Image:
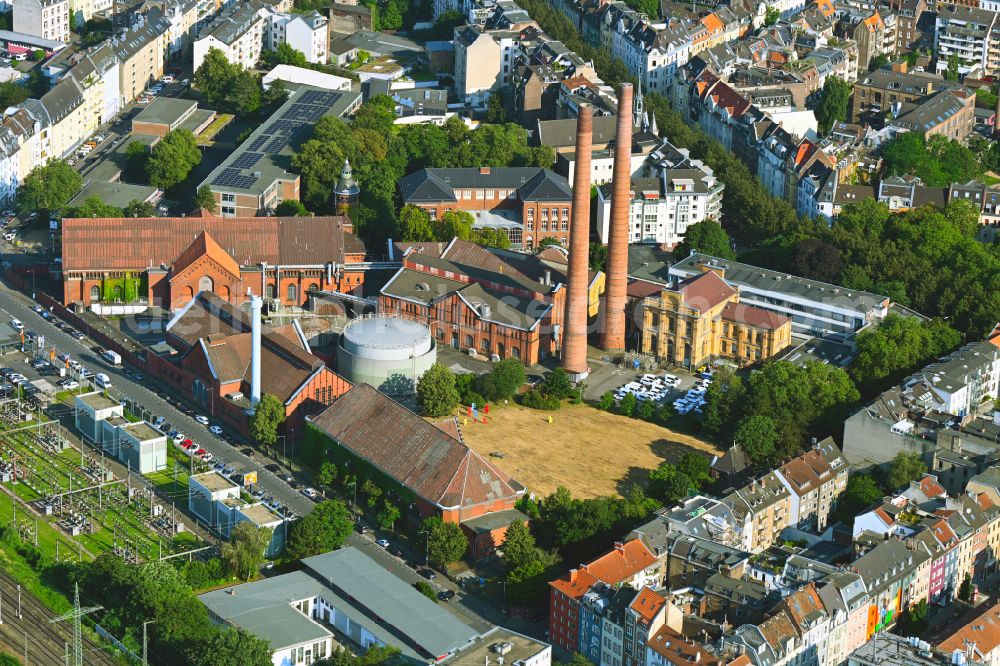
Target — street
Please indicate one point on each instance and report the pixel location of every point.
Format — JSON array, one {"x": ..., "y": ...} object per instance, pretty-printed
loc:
[{"x": 13, "y": 304}]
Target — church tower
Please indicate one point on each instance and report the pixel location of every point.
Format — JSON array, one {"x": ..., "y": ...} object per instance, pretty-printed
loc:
[{"x": 346, "y": 192}]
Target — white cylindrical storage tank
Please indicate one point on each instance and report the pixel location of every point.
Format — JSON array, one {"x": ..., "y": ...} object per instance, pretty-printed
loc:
[{"x": 387, "y": 352}]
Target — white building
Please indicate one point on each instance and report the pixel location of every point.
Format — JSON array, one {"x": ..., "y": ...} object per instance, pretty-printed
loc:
[
  {"x": 651, "y": 55},
  {"x": 670, "y": 193},
  {"x": 970, "y": 33},
  {"x": 306, "y": 33},
  {"x": 308, "y": 77},
  {"x": 48, "y": 19},
  {"x": 478, "y": 58},
  {"x": 239, "y": 32}
]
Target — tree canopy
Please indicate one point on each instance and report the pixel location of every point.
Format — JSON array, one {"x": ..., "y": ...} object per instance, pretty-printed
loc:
[
  {"x": 900, "y": 344},
  {"x": 833, "y": 104},
  {"x": 243, "y": 553},
  {"x": 268, "y": 415},
  {"x": 707, "y": 237},
  {"x": 173, "y": 158},
  {"x": 446, "y": 542},
  {"x": 321, "y": 530},
  {"x": 436, "y": 391},
  {"x": 905, "y": 467},
  {"x": 49, "y": 187},
  {"x": 938, "y": 161}
]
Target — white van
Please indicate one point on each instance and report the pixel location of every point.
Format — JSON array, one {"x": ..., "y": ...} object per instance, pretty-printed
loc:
[
  {"x": 16, "y": 324},
  {"x": 112, "y": 357},
  {"x": 102, "y": 380}
]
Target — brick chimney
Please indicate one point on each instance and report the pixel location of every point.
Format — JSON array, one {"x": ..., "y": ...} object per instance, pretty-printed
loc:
[
  {"x": 613, "y": 335},
  {"x": 578, "y": 277}
]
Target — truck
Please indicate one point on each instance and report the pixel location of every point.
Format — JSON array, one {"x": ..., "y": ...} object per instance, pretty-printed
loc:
[{"x": 112, "y": 357}]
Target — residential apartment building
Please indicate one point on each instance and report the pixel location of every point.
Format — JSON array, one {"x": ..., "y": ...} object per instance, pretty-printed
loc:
[
  {"x": 815, "y": 480},
  {"x": 528, "y": 203},
  {"x": 141, "y": 52},
  {"x": 873, "y": 38},
  {"x": 948, "y": 113},
  {"x": 48, "y": 19},
  {"x": 627, "y": 564},
  {"x": 764, "y": 508},
  {"x": 979, "y": 638},
  {"x": 973, "y": 35},
  {"x": 880, "y": 91},
  {"x": 702, "y": 319},
  {"x": 479, "y": 63},
  {"x": 306, "y": 33},
  {"x": 652, "y": 55},
  {"x": 814, "y": 307},
  {"x": 238, "y": 31},
  {"x": 670, "y": 193}
]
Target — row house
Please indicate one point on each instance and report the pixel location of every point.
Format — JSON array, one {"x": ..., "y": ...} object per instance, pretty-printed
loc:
[
  {"x": 627, "y": 564},
  {"x": 652, "y": 56},
  {"x": 815, "y": 480},
  {"x": 763, "y": 508},
  {"x": 716, "y": 106}
]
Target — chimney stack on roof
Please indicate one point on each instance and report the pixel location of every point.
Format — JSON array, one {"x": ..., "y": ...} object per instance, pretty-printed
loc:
[
  {"x": 613, "y": 335},
  {"x": 577, "y": 299}
]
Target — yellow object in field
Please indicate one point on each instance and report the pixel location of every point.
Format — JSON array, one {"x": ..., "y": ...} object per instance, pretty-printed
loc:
[
  {"x": 465, "y": 421},
  {"x": 550, "y": 419}
]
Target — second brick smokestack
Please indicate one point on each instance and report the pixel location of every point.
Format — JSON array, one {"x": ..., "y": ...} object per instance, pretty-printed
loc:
[
  {"x": 577, "y": 299},
  {"x": 613, "y": 335}
]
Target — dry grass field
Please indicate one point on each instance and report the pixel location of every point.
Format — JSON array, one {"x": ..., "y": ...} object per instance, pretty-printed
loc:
[{"x": 593, "y": 453}]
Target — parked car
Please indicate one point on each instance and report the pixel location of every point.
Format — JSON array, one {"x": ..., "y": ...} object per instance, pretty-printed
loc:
[
  {"x": 273, "y": 468},
  {"x": 16, "y": 324},
  {"x": 384, "y": 543},
  {"x": 215, "y": 429},
  {"x": 311, "y": 493},
  {"x": 394, "y": 551},
  {"x": 248, "y": 452},
  {"x": 103, "y": 381},
  {"x": 446, "y": 595},
  {"x": 201, "y": 419},
  {"x": 427, "y": 573}
]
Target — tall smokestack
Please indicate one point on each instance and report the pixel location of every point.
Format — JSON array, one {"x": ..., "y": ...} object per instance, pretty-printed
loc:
[
  {"x": 577, "y": 299},
  {"x": 613, "y": 336},
  {"x": 256, "y": 303}
]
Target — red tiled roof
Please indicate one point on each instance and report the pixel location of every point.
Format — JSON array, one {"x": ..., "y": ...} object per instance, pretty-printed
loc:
[
  {"x": 642, "y": 289},
  {"x": 886, "y": 518},
  {"x": 622, "y": 562},
  {"x": 115, "y": 244},
  {"x": 575, "y": 583},
  {"x": 930, "y": 487},
  {"x": 983, "y": 632},
  {"x": 417, "y": 454},
  {"x": 705, "y": 291},
  {"x": 647, "y": 604},
  {"x": 680, "y": 650},
  {"x": 713, "y": 23},
  {"x": 205, "y": 246},
  {"x": 754, "y": 316}
]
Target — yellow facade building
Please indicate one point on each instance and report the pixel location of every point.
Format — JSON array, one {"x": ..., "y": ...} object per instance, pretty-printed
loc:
[{"x": 703, "y": 320}]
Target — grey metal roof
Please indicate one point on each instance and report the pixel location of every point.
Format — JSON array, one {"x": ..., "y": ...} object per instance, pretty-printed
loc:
[
  {"x": 532, "y": 183},
  {"x": 562, "y": 133},
  {"x": 264, "y": 608},
  {"x": 422, "y": 621}
]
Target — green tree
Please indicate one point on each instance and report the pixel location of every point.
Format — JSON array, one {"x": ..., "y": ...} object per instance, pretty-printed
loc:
[
  {"x": 93, "y": 207},
  {"x": 833, "y": 103},
  {"x": 136, "y": 156},
  {"x": 862, "y": 491},
  {"x": 646, "y": 410},
  {"x": 707, "y": 237},
  {"x": 905, "y": 467},
  {"x": 454, "y": 224},
  {"x": 669, "y": 484},
  {"x": 496, "y": 108},
  {"x": 12, "y": 94},
  {"x": 231, "y": 645},
  {"x": 173, "y": 158},
  {"x": 415, "y": 224},
  {"x": 136, "y": 208},
  {"x": 268, "y": 415},
  {"x": 914, "y": 620},
  {"x": 286, "y": 54},
  {"x": 518, "y": 546},
  {"x": 722, "y": 400},
  {"x": 771, "y": 15},
  {"x": 275, "y": 95},
  {"x": 965, "y": 589},
  {"x": 758, "y": 437},
  {"x": 985, "y": 97},
  {"x": 424, "y": 588},
  {"x": 215, "y": 77},
  {"x": 326, "y": 475},
  {"x": 607, "y": 401},
  {"x": 878, "y": 62},
  {"x": 697, "y": 467},
  {"x": 446, "y": 543},
  {"x": 938, "y": 161},
  {"x": 291, "y": 208},
  {"x": 507, "y": 377},
  {"x": 49, "y": 187},
  {"x": 205, "y": 198},
  {"x": 245, "y": 94},
  {"x": 490, "y": 237},
  {"x": 627, "y": 404},
  {"x": 9, "y": 660},
  {"x": 244, "y": 552},
  {"x": 952, "y": 73},
  {"x": 815, "y": 259},
  {"x": 377, "y": 114},
  {"x": 899, "y": 344},
  {"x": 526, "y": 585},
  {"x": 388, "y": 515},
  {"x": 598, "y": 256},
  {"x": 321, "y": 530},
  {"x": 436, "y": 391}
]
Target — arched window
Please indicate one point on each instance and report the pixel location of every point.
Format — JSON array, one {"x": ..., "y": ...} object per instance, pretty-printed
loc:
[
  {"x": 515, "y": 352},
  {"x": 485, "y": 344},
  {"x": 500, "y": 349},
  {"x": 313, "y": 287},
  {"x": 293, "y": 293},
  {"x": 469, "y": 342},
  {"x": 269, "y": 291},
  {"x": 95, "y": 293},
  {"x": 206, "y": 284}
]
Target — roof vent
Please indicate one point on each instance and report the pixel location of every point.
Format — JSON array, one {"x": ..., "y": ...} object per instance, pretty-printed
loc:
[{"x": 422, "y": 286}]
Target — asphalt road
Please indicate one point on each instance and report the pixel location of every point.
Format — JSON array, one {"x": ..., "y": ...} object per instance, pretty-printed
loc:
[{"x": 469, "y": 609}]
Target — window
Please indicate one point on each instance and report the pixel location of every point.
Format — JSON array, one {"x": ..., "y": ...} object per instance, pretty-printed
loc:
[
  {"x": 228, "y": 198},
  {"x": 469, "y": 342},
  {"x": 269, "y": 291},
  {"x": 95, "y": 293},
  {"x": 440, "y": 334},
  {"x": 485, "y": 345},
  {"x": 293, "y": 292}
]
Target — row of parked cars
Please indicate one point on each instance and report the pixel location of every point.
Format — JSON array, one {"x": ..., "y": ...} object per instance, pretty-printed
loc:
[
  {"x": 694, "y": 399},
  {"x": 649, "y": 387}
]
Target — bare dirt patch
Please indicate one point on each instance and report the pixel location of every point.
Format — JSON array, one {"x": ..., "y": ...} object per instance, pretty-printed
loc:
[{"x": 591, "y": 452}]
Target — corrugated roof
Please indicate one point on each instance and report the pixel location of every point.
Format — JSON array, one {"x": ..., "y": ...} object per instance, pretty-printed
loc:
[
  {"x": 416, "y": 453},
  {"x": 114, "y": 244}
]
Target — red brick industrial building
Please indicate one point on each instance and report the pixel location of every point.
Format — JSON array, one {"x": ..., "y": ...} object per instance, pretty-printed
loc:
[
  {"x": 501, "y": 304},
  {"x": 166, "y": 261},
  {"x": 423, "y": 467},
  {"x": 209, "y": 363},
  {"x": 529, "y": 203}
]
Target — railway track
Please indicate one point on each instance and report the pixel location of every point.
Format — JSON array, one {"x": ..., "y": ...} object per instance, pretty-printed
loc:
[{"x": 46, "y": 642}]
